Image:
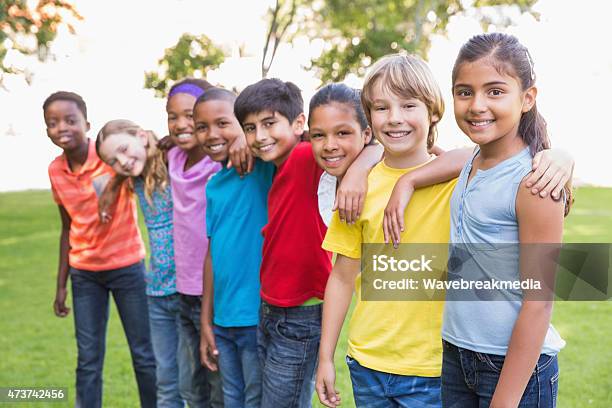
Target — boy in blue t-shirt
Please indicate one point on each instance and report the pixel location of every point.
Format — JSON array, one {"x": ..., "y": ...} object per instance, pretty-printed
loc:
[{"x": 236, "y": 212}]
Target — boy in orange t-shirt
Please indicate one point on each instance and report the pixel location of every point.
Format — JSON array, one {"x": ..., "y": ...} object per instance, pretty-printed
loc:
[{"x": 100, "y": 258}]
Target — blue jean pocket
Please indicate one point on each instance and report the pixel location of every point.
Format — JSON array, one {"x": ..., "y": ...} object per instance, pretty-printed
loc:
[
  {"x": 494, "y": 362},
  {"x": 292, "y": 331}
]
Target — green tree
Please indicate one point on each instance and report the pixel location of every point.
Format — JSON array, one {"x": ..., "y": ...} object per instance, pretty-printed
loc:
[
  {"x": 360, "y": 31},
  {"x": 191, "y": 56},
  {"x": 31, "y": 31},
  {"x": 279, "y": 19}
]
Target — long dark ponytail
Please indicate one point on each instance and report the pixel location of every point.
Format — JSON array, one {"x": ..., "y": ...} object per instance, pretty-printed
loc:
[{"x": 508, "y": 55}]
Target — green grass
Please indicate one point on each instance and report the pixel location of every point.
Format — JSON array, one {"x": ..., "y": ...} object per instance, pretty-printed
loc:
[{"x": 38, "y": 349}]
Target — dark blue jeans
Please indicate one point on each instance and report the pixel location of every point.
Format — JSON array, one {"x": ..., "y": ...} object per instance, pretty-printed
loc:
[
  {"x": 90, "y": 292},
  {"x": 239, "y": 366},
  {"x": 377, "y": 389},
  {"x": 288, "y": 344},
  {"x": 469, "y": 379},
  {"x": 199, "y": 386}
]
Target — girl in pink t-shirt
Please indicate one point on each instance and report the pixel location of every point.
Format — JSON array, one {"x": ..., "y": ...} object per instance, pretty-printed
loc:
[{"x": 189, "y": 168}]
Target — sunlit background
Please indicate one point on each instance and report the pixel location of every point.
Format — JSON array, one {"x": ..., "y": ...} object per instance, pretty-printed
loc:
[{"x": 118, "y": 41}]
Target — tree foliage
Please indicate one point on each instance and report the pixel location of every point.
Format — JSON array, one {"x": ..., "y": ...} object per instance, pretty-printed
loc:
[
  {"x": 360, "y": 31},
  {"x": 30, "y": 31},
  {"x": 279, "y": 19},
  {"x": 192, "y": 56}
]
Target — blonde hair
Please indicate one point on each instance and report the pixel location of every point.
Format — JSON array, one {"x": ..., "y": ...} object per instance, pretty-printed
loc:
[
  {"x": 405, "y": 76},
  {"x": 155, "y": 173}
]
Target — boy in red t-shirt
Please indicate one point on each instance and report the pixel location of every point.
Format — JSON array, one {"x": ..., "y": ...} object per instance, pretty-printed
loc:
[
  {"x": 99, "y": 258},
  {"x": 294, "y": 268}
]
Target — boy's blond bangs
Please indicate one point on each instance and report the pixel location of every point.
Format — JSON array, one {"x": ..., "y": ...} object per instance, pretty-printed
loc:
[{"x": 406, "y": 76}]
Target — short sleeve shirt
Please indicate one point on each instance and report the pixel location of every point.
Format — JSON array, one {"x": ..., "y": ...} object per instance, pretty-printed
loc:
[
  {"x": 189, "y": 217},
  {"x": 236, "y": 211},
  {"x": 95, "y": 246},
  {"x": 294, "y": 267},
  {"x": 398, "y": 337}
]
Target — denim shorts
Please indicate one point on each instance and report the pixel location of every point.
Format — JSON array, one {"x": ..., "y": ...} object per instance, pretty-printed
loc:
[
  {"x": 377, "y": 389},
  {"x": 469, "y": 379}
]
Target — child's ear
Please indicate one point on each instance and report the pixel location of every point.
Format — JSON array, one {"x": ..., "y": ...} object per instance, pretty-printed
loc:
[
  {"x": 143, "y": 136},
  {"x": 529, "y": 99},
  {"x": 435, "y": 118},
  {"x": 298, "y": 124},
  {"x": 367, "y": 134}
]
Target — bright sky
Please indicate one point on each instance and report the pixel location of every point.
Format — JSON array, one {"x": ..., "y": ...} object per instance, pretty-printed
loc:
[{"x": 119, "y": 40}]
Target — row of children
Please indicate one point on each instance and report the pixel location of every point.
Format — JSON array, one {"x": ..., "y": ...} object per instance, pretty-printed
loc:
[{"x": 239, "y": 280}]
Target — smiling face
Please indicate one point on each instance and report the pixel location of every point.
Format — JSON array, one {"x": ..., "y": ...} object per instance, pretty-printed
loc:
[
  {"x": 66, "y": 126},
  {"x": 401, "y": 124},
  {"x": 216, "y": 127},
  {"x": 488, "y": 104},
  {"x": 336, "y": 137},
  {"x": 125, "y": 153},
  {"x": 271, "y": 136},
  {"x": 180, "y": 120}
]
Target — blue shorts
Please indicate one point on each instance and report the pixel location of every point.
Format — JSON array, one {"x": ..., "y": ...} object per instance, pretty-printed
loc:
[{"x": 376, "y": 389}]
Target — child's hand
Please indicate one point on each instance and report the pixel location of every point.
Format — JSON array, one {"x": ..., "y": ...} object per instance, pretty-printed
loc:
[
  {"x": 351, "y": 196},
  {"x": 325, "y": 384},
  {"x": 435, "y": 150},
  {"x": 165, "y": 143},
  {"x": 393, "y": 221},
  {"x": 59, "y": 305},
  {"x": 240, "y": 156},
  {"x": 208, "y": 348},
  {"x": 105, "y": 203},
  {"x": 552, "y": 168}
]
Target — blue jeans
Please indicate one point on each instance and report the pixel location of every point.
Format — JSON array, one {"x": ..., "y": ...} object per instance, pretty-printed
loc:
[
  {"x": 469, "y": 379},
  {"x": 90, "y": 302},
  {"x": 199, "y": 386},
  {"x": 288, "y": 344},
  {"x": 239, "y": 366},
  {"x": 377, "y": 389},
  {"x": 164, "y": 321}
]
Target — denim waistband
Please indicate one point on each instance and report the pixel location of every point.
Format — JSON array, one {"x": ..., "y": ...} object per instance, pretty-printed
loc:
[{"x": 313, "y": 311}]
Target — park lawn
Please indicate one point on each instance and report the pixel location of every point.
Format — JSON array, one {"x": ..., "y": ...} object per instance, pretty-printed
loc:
[{"x": 38, "y": 349}]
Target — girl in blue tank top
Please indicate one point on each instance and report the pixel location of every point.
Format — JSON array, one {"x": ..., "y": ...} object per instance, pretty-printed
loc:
[{"x": 499, "y": 346}]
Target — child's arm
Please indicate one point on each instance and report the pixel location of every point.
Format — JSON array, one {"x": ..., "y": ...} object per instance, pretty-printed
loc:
[
  {"x": 240, "y": 156},
  {"x": 338, "y": 294},
  {"x": 445, "y": 167},
  {"x": 541, "y": 228},
  {"x": 165, "y": 143},
  {"x": 208, "y": 346},
  {"x": 109, "y": 197},
  {"x": 552, "y": 171},
  {"x": 354, "y": 186},
  {"x": 59, "y": 305}
]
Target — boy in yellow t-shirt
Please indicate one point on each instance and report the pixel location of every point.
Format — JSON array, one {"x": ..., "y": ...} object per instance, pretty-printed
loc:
[{"x": 394, "y": 350}]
